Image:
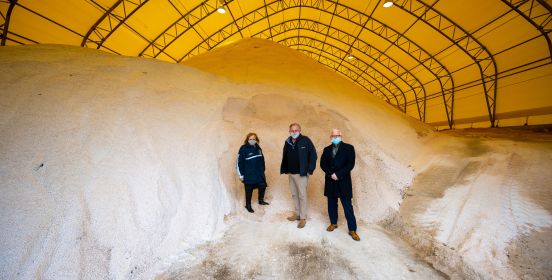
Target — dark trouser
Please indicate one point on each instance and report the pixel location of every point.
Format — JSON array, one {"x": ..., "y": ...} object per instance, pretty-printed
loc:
[
  {"x": 249, "y": 192},
  {"x": 347, "y": 207}
]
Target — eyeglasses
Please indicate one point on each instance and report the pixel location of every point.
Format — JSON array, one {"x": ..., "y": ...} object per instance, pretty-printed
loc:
[
  {"x": 335, "y": 136},
  {"x": 252, "y": 139},
  {"x": 295, "y": 130}
]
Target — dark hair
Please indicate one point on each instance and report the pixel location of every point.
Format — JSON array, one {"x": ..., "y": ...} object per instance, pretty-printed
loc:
[{"x": 249, "y": 135}]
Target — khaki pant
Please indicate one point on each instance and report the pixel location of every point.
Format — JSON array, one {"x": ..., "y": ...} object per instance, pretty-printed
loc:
[{"x": 298, "y": 185}]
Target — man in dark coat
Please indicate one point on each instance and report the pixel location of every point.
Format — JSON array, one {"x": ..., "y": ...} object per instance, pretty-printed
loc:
[
  {"x": 298, "y": 160},
  {"x": 337, "y": 161}
]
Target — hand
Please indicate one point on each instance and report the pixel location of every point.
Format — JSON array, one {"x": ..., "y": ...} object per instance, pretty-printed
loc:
[{"x": 334, "y": 177}]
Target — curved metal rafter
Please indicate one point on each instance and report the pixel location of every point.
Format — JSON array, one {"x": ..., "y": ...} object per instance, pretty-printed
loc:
[
  {"x": 178, "y": 28},
  {"x": 410, "y": 48},
  {"x": 331, "y": 63},
  {"x": 331, "y": 20},
  {"x": 111, "y": 20},
  {"x": 399, "y": 40},
  {"x": 541, "y": 21},
  {"x": 416, "y": 87},
  {"x": 233, "y": 19},
  {"x": 365, "y": 48},
  {"x": 338, "y": 53},
  {"x": 440, "y": 72},
  {"x": 463, "y": 40},
  {"x": 182, "y": 15},
  {"x": 6, "y": 25},
  {"x": 334, "y": 54},
  {"x": 380, "y": 57}
]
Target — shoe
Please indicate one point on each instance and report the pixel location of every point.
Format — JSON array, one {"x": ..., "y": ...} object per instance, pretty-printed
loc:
[
  {"x": 262, "y": 202},
  {"x": 249, "y": 209},
  {"x": 294, "y": 217},
  {"x": 354, "y": 235},
  {"x": 302, "y": 223},
  {"x": 331, "y": 227}
]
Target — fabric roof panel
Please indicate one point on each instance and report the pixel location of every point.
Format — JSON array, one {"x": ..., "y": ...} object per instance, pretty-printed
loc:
[
  {"x": 214, "y": 22},
  {"x": 428, "y": 38},
  {"x": 41, "y": 30},
  {"x": 517, "y": 27},
  {"x": 530, "y": 52},
  {"x": 73, "y": 15},
  {"x": 497, "y": 27},
  {"x": 153, "y": 18},
  {"x": 394, "y": 18},
  {"x": 126, "y": 42},
  {"x": 472, "y": 14},
  {"x": 404, "y": 59},
  {"x": 527, "y": 90},
  {"x": 183, "y": 45}
]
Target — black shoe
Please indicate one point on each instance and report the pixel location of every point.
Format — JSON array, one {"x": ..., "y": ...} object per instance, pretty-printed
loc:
[
  {"x": 249, "y": 209},
  {"x": 262, "y": 202}
]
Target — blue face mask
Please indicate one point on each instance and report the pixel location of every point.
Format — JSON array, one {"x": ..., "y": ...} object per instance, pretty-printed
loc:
[
  {"x": 295, "y": 135},
  {"x": 252, "y": 142},
  {"x": 336, "y": 140}
]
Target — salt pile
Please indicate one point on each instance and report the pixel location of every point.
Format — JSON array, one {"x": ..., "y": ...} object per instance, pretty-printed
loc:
[{"x": 117, "y": 167}]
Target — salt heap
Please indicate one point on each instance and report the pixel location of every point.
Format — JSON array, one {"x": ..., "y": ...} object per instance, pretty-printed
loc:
[{"x": 111, "y": 165}]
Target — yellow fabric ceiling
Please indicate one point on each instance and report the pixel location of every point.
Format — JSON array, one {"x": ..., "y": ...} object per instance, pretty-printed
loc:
[{"x": 449, "y": 63}]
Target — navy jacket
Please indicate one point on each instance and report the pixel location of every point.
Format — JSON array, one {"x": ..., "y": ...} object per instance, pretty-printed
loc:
[
  {"x": 251, "y": 164},
  {"x": 307, "y": 155},
  {"x": 341, "y": 165}
]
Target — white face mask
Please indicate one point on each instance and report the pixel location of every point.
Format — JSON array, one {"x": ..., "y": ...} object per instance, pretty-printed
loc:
[{"x": 252, "y": 142}]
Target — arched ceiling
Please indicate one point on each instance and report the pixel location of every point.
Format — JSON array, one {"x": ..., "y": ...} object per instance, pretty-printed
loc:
[{"x": 445, "y": 62}]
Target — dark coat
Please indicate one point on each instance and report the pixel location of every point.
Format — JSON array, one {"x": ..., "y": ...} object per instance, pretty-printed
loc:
[
  {"x": 341, "y": 165},
  {"x": 251, "y": 164},
  {"x": 307, "y": 155}
]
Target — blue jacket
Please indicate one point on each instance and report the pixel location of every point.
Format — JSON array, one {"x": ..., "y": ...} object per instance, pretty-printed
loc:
[
  {"x": 307, "y": 155},
  {"x": 341, "y": 165},
  {"x": 251, "y": 164}
]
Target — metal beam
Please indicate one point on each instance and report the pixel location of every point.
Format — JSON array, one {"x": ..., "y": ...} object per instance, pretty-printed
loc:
[
  {"x": 350, "y": 74},
  {"x": 465, "y": 41},
  {"x": 443, "y": 76},
  {"x": 111, "y": 20},
  {"x": 179, "y": 27},
  {"x": 366, "y": 49},
  {"x": 540, "y": 19},
  {"x": 6, "y": 24},
  {"x": 335, "y": 54}
]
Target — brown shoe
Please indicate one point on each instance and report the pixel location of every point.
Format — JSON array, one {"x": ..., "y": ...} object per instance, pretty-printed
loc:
[
  {"x": 354, "y": 235},
  {"x": 293, "y": 217},
  {"x": 331, "y": 227},
  {"x": 302, "y": 223}
]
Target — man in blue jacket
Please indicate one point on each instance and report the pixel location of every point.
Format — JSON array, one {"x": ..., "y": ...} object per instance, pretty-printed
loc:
[
  {"x": 337, "y": 161},
  {"x": 298, "y": 161}
]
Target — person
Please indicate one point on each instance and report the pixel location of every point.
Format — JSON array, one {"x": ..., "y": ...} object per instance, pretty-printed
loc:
[
  {"x": 298, "y": 161},
  {"x": 251, "y": 169},
  {"x": 337, "y": 161}
]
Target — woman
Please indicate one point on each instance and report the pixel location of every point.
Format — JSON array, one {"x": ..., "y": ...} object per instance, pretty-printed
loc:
[{"x": 251, "y": 168}]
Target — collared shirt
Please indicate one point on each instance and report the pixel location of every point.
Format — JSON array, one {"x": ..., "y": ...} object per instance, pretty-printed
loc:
[
  {"x": 334, "y": 150},
  {"x": 293, "y": 158}
]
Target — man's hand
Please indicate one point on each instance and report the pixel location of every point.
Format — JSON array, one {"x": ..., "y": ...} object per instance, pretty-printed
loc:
[{"x": 334, "y": 177}]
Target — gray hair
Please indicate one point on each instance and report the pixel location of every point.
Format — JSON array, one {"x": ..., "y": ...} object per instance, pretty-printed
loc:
[{"x": 294, "y": 124}]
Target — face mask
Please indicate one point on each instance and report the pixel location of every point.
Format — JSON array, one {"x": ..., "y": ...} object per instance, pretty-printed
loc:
[
  {"x": 336, "y": 140},
  {"x": 252, "y": 142},
  {"x": 295, "y": 135}
]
